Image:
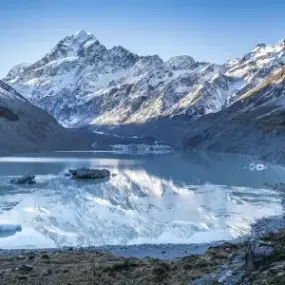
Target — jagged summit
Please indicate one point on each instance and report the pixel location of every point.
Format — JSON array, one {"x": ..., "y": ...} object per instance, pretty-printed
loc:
[
  {"x": 181, "y": 62},
  {"x": 15, "y": 71},
  {"x": 82, "y": 35},
  {"x": 79, "y": 38}
]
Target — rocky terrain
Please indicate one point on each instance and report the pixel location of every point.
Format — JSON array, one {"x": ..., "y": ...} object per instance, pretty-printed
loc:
[
  {"x": 253, "y": 125},
  {"x": 258, "y": 261},
  {"x": 81, "y": 82}
]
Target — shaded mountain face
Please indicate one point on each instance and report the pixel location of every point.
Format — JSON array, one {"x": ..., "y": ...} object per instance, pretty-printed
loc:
[
  {"x": 23, "y": 126},
  {"x": 27, "y": 128},
  {"x": 254, "y": 124}
]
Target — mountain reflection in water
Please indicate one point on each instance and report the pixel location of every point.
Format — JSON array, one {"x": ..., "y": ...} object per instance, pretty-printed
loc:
[{"x": 170, "y": 198}]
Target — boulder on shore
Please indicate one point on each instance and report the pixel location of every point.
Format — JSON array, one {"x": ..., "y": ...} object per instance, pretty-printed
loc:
[
  {"x": 25, "y": 179},
  {"x": 89, "y": 173},
  {"x": 255, "y": 254}
]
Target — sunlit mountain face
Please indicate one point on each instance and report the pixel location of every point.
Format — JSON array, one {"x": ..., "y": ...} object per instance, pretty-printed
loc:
[
  {"x": 149, "y": 199},
  {"x": 81, "y": 82}
]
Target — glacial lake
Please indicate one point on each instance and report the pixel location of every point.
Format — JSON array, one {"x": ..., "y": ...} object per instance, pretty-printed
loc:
[{"x": 153, "y": 199}]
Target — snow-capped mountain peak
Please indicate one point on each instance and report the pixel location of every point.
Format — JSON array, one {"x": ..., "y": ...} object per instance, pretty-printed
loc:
[
  {"x": 82, "y": 82},
  {"x": 78, "y": 38},
  {"x": 82, "y": 35},
  {"x": 72, "y": 44},
  {"x": 259, "y": 47}
]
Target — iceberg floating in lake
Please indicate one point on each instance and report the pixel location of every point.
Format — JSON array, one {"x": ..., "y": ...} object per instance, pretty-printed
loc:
[{"x": 257, "y": 167}]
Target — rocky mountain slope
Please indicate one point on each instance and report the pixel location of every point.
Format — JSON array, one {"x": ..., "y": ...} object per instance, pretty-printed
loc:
[
  {"x": 254, "y": 124},
  {"x": 81, "y": 82},
  {"x": 24, "y": 126},
  {"x": 27, "y": 128}
]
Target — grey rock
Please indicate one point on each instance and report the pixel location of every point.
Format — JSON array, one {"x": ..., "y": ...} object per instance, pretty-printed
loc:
[
  {"x": 21, "y": 257},
  {"x": 256, "y": 254},
  {"x": 32, "y": 255},
  {"x": 25, "y": 179},
  {"x": 26, "y": 267},
  {"x": 88, "y": 173}
]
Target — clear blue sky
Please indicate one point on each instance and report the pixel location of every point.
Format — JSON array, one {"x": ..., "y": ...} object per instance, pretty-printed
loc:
[{"x": 209, "y": 30}]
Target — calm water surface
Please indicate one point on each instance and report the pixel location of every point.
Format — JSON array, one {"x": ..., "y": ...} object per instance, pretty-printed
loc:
[{"x": 170, "y": 198}]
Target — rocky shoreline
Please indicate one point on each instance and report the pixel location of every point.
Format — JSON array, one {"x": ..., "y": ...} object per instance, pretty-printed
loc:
[
  {"x": 256, "y": 259},
  {"x": 80, "y": 266}
]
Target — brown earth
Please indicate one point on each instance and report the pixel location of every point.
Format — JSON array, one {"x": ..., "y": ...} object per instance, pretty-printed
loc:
[
  {"x": 93, "y": 267},
  {"x": 224, "y": 264}
]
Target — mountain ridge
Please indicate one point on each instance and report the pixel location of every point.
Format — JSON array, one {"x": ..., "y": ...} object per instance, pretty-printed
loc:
[
  {"x": 253, "y": 125},
  {"x": 82, "y": 55},
  {"x": 82, "y": 83}
]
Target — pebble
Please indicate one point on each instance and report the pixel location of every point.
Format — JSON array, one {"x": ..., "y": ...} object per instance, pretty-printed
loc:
[
  {"x": 23, "y": 277},
  {"x": 21, "y": 257},
  {"x": 26, "y": 267},
  {"x": 31, "y": 257}
]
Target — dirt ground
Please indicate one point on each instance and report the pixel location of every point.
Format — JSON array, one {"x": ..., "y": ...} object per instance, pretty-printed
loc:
[{"x": 82, "y": 266}]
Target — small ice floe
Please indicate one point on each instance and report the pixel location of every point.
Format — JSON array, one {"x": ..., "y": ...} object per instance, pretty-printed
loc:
[
  {"x": 257, "y": 166},
  {"x": 25, "y": 179},
  {"x": 9, "y": 229}
]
